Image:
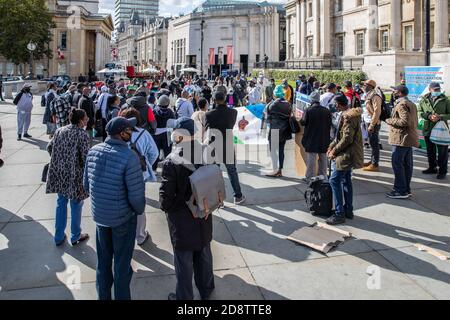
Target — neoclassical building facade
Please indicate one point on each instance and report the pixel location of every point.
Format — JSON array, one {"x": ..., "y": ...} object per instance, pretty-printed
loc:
[
  {"x": 379, "y": 36},
  {"x": 253, "y": 29},
  {"x": 152, "y": 44},
  {"x": 80, "y": 41}
]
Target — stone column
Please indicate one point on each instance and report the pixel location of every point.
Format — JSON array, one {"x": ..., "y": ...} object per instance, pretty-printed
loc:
[
  {"x": 317, "y": 32},
  {"x": 372, "y": 26},
  {"x": 261, "y": 40},
  {"x": 441, "y": 24},
  {"x": 325, "y": 28},
  {"x": 419, "y": 32},
  {"x": 302, "y": 38},
  {"x": 298, "y": 30},
  {"x": 396, "y": 20},
  {"x": 97, "y": 50},
  {"x": 288, "y": 37},
  {"x": 277, "y": 44},
  {"x": 251, "y": 48},
  {"x": 236, "y": 53}
]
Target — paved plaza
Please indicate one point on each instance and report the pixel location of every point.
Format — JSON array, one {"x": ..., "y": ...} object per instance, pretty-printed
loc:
[{"x": 252, "y": 258}]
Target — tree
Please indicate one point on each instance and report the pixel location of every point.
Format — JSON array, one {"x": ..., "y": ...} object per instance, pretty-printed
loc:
[{"x": 21, "y": 22}]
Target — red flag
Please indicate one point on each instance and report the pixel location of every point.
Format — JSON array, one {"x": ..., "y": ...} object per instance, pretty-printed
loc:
[
  {"x": 230, "y": 57},
  {"x": 212, "y": 57},
  {"x": 60, "y": 54}
]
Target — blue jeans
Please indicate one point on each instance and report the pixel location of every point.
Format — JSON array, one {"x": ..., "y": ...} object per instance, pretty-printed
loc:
[
  {"x": 341, "y": 183},
  {"x": 61, "y": 218},
  {"x": 234, "y": 179},
  {"x": 115, "y": 243},
  {"x": 402, "y": 164}
]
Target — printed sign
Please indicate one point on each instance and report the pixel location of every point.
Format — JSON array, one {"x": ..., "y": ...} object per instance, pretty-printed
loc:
[{"x": 418, "y": 79}]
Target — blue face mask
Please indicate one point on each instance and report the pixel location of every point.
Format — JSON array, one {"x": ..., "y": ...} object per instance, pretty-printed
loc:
[{"x": 436, "y": 94}]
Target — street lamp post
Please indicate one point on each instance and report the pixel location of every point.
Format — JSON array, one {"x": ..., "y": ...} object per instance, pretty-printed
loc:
[
  {"x": 201, "y": 46},
  {"x": 31, "y": 47}
]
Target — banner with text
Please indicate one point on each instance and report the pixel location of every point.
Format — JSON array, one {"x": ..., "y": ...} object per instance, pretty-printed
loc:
[{"x": 419, "y": 78}]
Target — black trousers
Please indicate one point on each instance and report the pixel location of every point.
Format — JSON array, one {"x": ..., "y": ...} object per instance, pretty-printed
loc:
[
  {"x": 441, "y": 160},
  {"x": 162, "y": 142},
  {"x": 200, "y": 264}
]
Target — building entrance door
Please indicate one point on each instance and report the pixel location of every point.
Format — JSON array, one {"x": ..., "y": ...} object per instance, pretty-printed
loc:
[{"x": 244, "y": 63}]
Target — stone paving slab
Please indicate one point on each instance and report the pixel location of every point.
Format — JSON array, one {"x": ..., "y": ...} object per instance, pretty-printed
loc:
[
  {"x": 24, "y": 175},
  {"x": 260, "y": 233},
  {"x": 32, "y": 259},
  {"x": 13, "y": 198},
  {"x": 343, "y": 277},
  {"x": 393, "y": 224},
  {"x": 27, "y": 156},
  {"x": 42, "y": 206},
  {"x": 434, "y": 199},
  {"x": 236, "y": 284},
  {"x": 426, "y": 270}
]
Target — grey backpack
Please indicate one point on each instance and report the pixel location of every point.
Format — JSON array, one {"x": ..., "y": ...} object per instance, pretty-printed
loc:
[{"x": 208, "y": 188}]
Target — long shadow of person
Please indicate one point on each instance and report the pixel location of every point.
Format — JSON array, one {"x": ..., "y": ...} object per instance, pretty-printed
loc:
[{"x": 29, "y": 259}]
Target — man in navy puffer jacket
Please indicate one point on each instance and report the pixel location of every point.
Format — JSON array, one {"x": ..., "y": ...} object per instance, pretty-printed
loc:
[{"x": 113, "y": 178}]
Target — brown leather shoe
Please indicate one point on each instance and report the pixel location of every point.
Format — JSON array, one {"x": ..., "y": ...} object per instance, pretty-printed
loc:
[
  {"x": 372, "y": 168},
  {"x": 367, "y": 164}
]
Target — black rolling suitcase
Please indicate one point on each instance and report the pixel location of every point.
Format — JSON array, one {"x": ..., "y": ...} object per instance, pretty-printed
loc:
[{"x": 319, "y": 197}]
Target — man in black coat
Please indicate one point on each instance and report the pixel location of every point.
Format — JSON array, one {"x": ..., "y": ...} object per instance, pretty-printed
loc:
[
  {"x": 220, "y": 123},
  {"x": 191, "y": 237},
  {"x": 316, "y": 139},
  {"x": 87, "y": 105}
]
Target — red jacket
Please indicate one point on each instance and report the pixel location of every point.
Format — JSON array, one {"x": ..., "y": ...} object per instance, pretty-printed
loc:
[{"x": 350, "y": 94}]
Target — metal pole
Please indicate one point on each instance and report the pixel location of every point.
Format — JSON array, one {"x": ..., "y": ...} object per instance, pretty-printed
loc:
[
  {"x": 427, "y": 32},
  {"x": 31, "y": 65},
  {"x": 201, "y": 48}
]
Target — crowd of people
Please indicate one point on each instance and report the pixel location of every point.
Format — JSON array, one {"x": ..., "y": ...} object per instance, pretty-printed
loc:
[{"x": 107, "y": 143}]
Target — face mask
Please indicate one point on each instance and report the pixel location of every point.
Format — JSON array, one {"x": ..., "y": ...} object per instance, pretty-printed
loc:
[{"x": 436, "y": 94}]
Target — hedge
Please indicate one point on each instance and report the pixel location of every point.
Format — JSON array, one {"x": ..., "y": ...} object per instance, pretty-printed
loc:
[{"x": 324, "y": 76}]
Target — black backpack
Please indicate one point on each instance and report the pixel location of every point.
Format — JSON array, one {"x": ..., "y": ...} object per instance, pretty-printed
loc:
[
  {"x": 43, "y": 101},
  {"x": 319, "y": 197},
  {"x": 386, "y": 108}
]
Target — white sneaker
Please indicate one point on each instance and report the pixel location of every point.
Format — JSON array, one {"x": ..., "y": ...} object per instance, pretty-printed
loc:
[{"x": 239, "y": 201}]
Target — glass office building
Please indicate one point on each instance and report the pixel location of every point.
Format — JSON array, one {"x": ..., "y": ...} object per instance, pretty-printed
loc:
[{"x": 145, "y": 8}]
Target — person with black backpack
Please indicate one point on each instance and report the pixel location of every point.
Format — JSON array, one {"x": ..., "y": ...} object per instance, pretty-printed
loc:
[
  {"x": 374, "y": 108},
  {"x": 347, "y": 154},
  {"x": 144, "y": 146}
]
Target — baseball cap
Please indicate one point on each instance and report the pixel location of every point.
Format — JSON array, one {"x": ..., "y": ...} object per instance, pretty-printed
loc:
[
  {"x": 435, "y": 85},
  {"x": 119, "y": 124},
  {"x": 402, "y": 89},
  {"x": 26, "y": 85},
  {"x": 183, "y": 123},
  {"x": 72, "y": 88}
]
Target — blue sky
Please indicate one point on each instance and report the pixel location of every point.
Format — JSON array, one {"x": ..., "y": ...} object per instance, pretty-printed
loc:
[{"x": 166, "y": 7}]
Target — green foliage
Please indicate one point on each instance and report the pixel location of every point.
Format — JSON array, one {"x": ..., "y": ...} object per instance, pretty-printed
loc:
[
  {"x": 325, "y": 76},
  {"x": 21, "y": 22}
]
